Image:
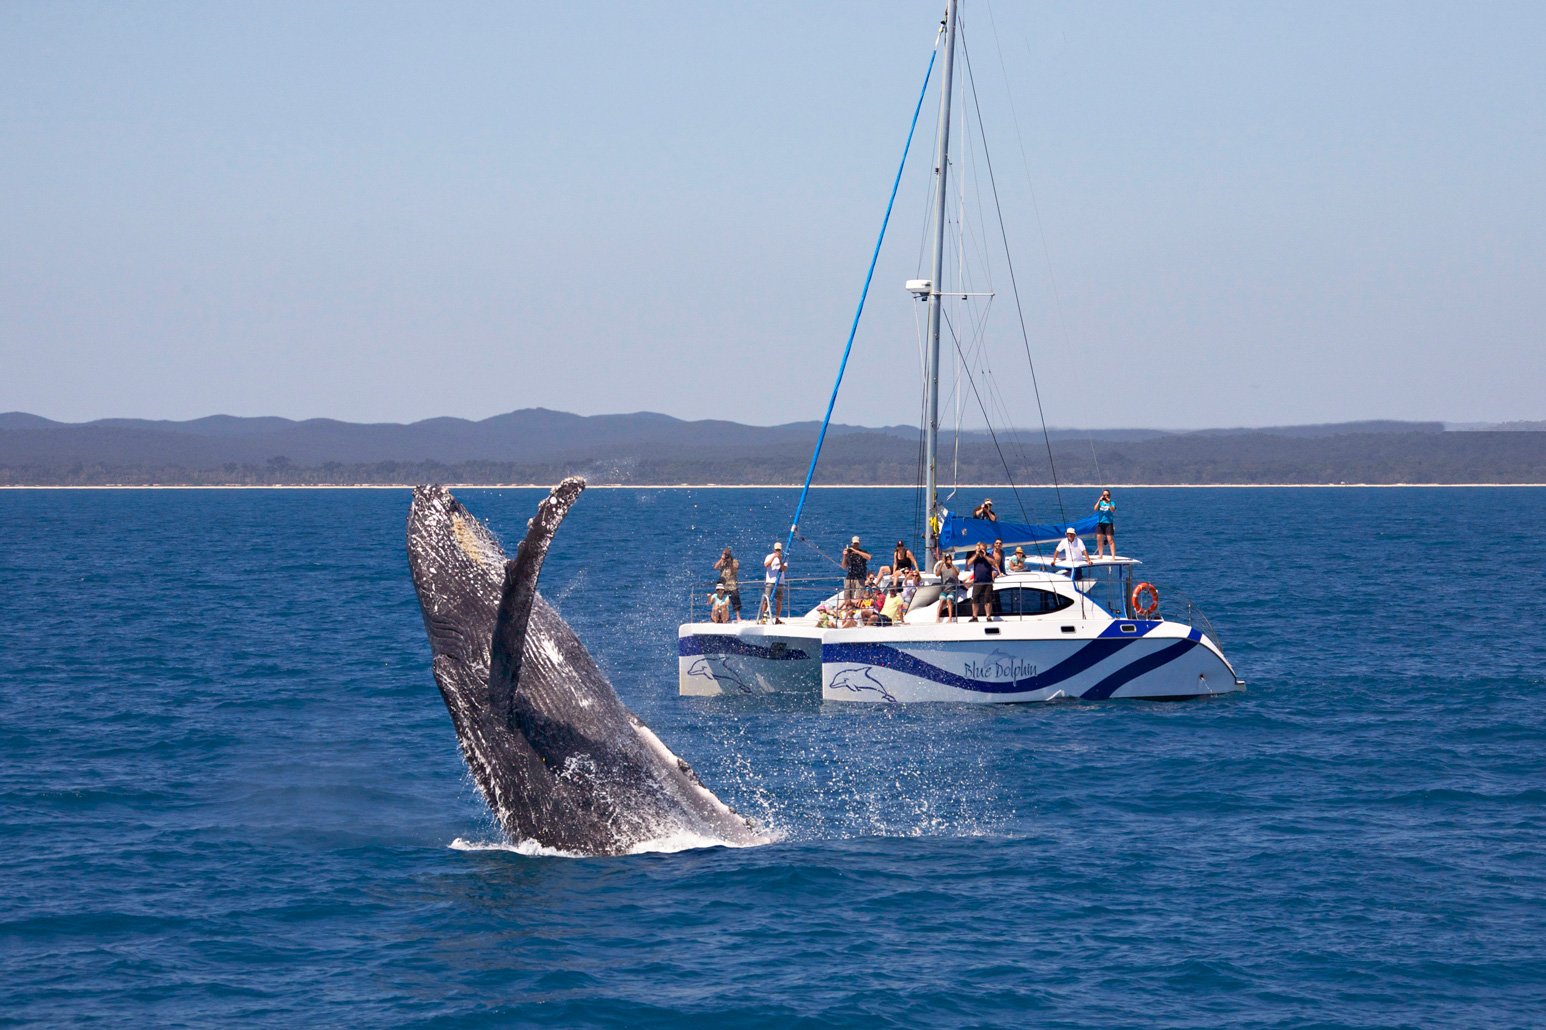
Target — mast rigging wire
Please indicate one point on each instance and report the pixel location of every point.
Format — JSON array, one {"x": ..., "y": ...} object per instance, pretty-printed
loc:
[
  {"x": 863, "y": 295},
  {"x": 1014, "y": 282}
]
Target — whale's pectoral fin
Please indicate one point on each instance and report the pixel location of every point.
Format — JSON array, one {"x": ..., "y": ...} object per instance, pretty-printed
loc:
[{"x": 520, "y": 593}]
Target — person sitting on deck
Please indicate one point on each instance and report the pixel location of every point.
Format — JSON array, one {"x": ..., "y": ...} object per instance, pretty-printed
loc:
[
  {"x": 902, "y": 559},
  {"x": 847, "y": 619},
  {"x": 985, "y": 510},
  {"x": 719, "y": 604},
  {"x": 1017, "y": 560},
  {"x": 1071, "y": 550},
  {"x": 824, "y": 619},
  {"x": 891, "y": 614}
]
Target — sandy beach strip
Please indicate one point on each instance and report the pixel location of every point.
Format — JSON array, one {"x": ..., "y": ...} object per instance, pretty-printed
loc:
[{"x": 771, "y": 486}]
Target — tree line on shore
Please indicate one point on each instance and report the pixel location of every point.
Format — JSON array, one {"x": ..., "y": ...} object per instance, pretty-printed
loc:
[{"x": 869, "y": 458}]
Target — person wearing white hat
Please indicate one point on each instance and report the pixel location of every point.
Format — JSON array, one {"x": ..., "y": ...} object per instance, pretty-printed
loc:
[
  {"x": 773, "y": 583},
  {"x": 856, "y": 566},
  {"x": 719, "y": 604},
  {"x": 1071, "y": 549}
]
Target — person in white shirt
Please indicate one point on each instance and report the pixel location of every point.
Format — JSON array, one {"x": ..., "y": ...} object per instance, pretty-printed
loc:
[
  {"x": 773, "y": 583},
  {"x": 1071, "y": 549}
]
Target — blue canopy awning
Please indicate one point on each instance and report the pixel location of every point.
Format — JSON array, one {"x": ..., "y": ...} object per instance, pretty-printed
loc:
[{"x": 958, "y": 531}]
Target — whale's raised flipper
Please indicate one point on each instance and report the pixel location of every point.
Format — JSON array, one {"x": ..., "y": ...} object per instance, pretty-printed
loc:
[
  {"x": 560, "y": 760},
  {"x": 520, "y": 594}
]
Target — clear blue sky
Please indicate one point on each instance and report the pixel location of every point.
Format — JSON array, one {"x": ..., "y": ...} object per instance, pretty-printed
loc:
[{"x": 1249, "y": 214}]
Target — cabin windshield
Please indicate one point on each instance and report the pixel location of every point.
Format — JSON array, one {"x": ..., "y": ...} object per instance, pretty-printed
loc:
[{"x": 1106, "y": 585}]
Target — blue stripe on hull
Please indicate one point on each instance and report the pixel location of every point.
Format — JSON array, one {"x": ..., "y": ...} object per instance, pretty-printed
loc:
[
  {"x": 891, "y": 658},
  {"x": 1148, "y": 663},
  {"x": 717, "y": 646}
]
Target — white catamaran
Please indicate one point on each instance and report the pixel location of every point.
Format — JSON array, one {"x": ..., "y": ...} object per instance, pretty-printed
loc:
[{"x": 1071, "y": 629}]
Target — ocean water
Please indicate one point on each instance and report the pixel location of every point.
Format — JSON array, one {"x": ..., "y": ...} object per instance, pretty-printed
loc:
[{"x": 232, "y": 795}]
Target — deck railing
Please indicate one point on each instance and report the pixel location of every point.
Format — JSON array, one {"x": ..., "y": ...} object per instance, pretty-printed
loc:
[
  {"x": 1177, "y": 607},
  {"x": 801, "y": 594}
]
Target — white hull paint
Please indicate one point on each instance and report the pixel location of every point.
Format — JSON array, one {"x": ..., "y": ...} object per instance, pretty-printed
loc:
[{"x": 1010, "y": 661}]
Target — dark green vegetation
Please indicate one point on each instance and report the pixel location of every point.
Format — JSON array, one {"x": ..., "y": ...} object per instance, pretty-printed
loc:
[{"x": 539, "y": 446}]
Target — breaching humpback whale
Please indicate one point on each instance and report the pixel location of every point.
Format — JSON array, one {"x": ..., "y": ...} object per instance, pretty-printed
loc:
[{"x": 559, "y": 759}]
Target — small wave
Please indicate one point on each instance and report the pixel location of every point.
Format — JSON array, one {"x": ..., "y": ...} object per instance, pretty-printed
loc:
[{"x": 669, "y": 844}]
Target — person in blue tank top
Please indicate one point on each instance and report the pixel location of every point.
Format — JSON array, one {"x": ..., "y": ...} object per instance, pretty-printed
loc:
[{"x": 1105, "y": 523}]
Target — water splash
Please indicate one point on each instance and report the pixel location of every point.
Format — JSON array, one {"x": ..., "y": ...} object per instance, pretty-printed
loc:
[{"x": 667, "y": 845}]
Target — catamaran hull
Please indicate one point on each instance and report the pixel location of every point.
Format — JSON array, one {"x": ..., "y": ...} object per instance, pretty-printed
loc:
[
  {"x": 995, "y": 663},
  {"x": 714, "y": 659},
  {"x": 1155, "y": 664}
]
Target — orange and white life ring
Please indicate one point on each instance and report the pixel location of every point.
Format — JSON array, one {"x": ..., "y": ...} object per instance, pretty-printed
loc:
[{"x": 1139, "y": 608}]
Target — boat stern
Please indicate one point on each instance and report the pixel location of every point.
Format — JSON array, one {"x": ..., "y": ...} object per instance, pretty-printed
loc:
[{"x": 747, "y": 658}]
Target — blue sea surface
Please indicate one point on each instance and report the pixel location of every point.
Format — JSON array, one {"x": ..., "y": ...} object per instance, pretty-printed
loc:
[{"x": 232, "y": 795}]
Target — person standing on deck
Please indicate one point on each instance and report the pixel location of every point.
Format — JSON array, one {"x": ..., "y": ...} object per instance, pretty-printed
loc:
[
  {"x": 773, "y": 584},
  {"x": 1105, "y": 523},
  {"x": 729, "y": 568},
  {"x": 1070, "y": 549},
  {"x": 949, "y": 586},
  {"x": 856, "y": 565},
  {"x": 983, "y": 573}
]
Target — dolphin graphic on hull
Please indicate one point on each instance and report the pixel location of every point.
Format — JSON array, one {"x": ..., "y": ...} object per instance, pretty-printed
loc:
[{"x": 558, "y": 757}]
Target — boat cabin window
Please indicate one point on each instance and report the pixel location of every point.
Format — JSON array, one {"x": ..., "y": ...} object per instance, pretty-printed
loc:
[{"x": 1028, "y": 601}]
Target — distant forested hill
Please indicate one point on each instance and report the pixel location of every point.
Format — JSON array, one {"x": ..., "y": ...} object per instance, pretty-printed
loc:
[{"x": 540, "y": 446}]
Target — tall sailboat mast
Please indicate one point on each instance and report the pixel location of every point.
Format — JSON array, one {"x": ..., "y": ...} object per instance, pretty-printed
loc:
[{"x": 931, "y": 360}]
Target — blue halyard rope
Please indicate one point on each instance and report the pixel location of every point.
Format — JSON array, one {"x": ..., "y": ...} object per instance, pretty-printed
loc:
[{"x": 863, "y": 295}]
